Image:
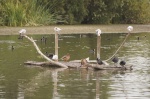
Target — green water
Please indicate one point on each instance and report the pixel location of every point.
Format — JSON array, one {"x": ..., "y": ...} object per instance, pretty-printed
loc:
[{"x": 18, "y": 81}]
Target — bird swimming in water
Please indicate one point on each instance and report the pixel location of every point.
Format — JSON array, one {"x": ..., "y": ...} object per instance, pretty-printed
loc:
[
  {"x": 92, "y": 51},
  {"x": 115, "y": 60},
  {"x": 122, "y": 63},
  {"x": 99, "y": 61},
  {"x": 66, "y": 57},
  {"x": 138, "y": 38},
  {"x": 12, "y": 48}
]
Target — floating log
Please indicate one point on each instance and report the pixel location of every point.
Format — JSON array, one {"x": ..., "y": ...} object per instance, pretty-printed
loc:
[{"x": 78, "y": 65}]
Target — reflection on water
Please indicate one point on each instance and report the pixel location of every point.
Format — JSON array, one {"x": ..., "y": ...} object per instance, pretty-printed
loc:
[{"x": 30, "y": 82}]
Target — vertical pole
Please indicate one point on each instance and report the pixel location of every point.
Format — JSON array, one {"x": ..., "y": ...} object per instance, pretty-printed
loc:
[
  {"x": 98, "y": 46},
  {"x": 56, "y": 43},
  {"x": 98, "y": 32}
]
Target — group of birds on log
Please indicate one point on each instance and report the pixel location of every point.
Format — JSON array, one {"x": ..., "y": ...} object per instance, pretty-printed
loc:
[{"x": 116, "y": 61}]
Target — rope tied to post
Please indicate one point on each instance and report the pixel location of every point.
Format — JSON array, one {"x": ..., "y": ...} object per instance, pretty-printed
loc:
[{"x": 129, "y": 28}]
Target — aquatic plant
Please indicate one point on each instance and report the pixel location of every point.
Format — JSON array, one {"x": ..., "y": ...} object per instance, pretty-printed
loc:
[{"x": 25, "y": 13}]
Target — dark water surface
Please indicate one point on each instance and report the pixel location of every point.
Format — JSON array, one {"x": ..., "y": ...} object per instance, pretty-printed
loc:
[{"x": 18, "y": 81}]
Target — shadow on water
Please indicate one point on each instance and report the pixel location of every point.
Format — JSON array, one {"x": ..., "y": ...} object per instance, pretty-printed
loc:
[{"x": 30, "y": 82}]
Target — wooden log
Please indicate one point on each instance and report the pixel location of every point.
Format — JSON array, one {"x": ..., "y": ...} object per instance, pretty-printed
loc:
[
  {"x": 54, "y": 63},
  {"x": 78, "y": 65}
]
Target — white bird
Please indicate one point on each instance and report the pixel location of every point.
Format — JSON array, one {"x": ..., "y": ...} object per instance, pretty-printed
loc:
[
  {"x": 22, "y": 31},
  {"x": 56, "y": 29},
  {"x": 98, "y": 32},
  {"x": 55, "y": 57},
  {"x": 130, "y": 28},
  {"x": 87, "y": 59}
]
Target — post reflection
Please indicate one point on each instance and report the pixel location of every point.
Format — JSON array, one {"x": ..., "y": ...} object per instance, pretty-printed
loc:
[
  {"x": 97, "y": 86},
  {"x": 55, "y": 80},
  {"x": 42, "y": 79}
]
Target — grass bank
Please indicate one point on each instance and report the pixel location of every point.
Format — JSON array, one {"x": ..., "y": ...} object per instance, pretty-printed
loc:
[{"x": 75, "y": 29}]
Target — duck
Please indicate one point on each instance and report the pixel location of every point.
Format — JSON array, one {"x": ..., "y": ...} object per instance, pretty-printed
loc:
[
  {"x": 52, "y": 56},
  {"x": 92, "y": 51},
  {"x": 115, "y": 60},
  {"x": 122, "y": 63},
  {"x": 66, "y": 57},
  {"x": 12, "y": 48},
  {"x": 99, "y": 61},
  {"x": 84, "y": 61}
]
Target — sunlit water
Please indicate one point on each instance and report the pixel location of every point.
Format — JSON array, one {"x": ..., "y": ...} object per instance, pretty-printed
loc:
[{"x": 18, "y": 81}]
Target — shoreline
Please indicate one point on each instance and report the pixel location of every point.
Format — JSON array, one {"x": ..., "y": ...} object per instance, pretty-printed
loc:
[{"x": 76, "y": 29}]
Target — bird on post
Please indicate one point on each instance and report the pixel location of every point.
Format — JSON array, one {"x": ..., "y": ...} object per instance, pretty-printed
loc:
[
  {"x": 56, "y": 29},
  {"x": 22, "y": 32},
  {"x": 66, "y": 57},
  {"x": 98, "y": 32},
  {"x": 130, "y": 28}
]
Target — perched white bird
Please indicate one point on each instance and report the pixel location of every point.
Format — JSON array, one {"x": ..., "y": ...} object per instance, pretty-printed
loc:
[
  {"x": 130, "y": 28},
  {"x": 22, "y": 31},
  {"x": 98, "y": 32},
  {"x": 87, "y": 59},
  {"x": 55, "y": 57},
  {"x": 56, "y": 29}
]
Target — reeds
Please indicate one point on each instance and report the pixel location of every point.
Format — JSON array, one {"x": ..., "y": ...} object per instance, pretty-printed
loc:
[{"x": 24, "y": 13}]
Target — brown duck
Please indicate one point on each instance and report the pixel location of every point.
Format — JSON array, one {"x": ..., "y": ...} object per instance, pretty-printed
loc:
[
  {"x": 66, "y": 57},
  {"x": 83, "y": 62}
]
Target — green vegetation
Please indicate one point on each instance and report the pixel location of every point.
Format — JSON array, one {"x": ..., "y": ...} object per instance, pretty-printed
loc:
[{"x": 46, "y": 12}]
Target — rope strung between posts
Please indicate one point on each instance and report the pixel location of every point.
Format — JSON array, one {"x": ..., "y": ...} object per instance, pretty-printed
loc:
[{"x": 118, "y": 48}]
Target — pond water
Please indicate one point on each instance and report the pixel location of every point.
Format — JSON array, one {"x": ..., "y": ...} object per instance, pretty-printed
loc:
[{"x": 18, "y": 81}]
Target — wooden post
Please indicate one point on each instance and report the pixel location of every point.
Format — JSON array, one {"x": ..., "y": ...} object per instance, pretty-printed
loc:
[
  {"x": 56, "y": 43},
  {"x": 98, "y": 46},
  {"x": 56, "y": 29},
  {"x": 98, "y": 32}
]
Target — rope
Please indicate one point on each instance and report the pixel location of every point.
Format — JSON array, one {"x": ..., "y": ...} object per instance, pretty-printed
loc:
[{"x": 119, "y": 47}]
